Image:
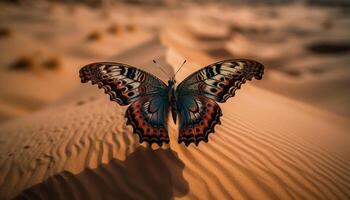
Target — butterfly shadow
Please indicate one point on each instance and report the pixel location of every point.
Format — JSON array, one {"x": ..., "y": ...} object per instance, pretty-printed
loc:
[{"x": 144, "y": 174}]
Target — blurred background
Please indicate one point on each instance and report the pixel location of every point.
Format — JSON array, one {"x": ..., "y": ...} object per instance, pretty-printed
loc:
[
  {"x": 305, "y": 45},
  {"x": 283, "y": 137}
]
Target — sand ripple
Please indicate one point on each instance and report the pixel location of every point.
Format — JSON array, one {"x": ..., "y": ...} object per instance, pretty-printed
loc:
[{"x": 85, "y": 151}]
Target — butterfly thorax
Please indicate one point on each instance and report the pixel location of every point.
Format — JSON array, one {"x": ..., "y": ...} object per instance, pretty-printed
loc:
[{"x": 172, "y": 98}]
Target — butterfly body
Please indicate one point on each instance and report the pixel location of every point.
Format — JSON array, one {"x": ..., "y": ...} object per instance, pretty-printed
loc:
[
  {"x": 173, "y": 99},
  {"x": 193, "y": 101}
]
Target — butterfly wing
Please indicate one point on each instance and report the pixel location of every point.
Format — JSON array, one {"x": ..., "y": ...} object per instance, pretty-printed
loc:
[
  {"x": 148, "y": 117},
  {"x": 198, "y": 116},
  {"x": 198, "y": 93},
  {"x": 146, "y": 94}
]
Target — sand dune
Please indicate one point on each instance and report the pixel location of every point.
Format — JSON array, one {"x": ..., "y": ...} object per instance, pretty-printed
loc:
[{"x": 85, "y": 148}]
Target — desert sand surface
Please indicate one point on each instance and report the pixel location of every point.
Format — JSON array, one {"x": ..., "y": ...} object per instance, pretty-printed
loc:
[{"x": 283, "y": 137}]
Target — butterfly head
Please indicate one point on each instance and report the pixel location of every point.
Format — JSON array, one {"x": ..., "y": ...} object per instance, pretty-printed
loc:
[{"x": 171, "y": 82}]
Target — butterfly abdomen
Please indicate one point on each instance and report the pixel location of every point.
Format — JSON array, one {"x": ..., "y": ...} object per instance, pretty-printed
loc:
[
  {"x": 174, "y": 111},
  {"x": 173, "y": 104}
]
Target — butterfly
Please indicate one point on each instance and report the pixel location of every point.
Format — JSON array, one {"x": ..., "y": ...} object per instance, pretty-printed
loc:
[{"x": 150, "y": 100}]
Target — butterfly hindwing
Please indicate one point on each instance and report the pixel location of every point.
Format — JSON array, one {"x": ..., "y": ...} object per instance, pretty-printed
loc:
[
  {"x": 146, "y": 94},
  {"x": 198, "y": 117},
  {"x": 148, "y": 116},
  {"x": 197, "y": 94}
]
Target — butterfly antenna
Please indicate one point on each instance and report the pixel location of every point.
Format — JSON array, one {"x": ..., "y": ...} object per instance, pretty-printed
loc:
[
  {"x": 179, "y": 68},
  {"x": 161, "y": 69}
]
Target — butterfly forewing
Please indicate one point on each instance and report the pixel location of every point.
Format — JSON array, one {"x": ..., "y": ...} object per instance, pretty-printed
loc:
[
  {"x": 220, "y": 80},
  {"x": 123, "y": 83},
  {"x": 215, "y": 82},
  {"x": 146, "y": 94}
]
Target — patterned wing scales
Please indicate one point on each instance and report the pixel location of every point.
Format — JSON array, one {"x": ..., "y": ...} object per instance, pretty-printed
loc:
[
  {"x": 198, "y": 117},
  {"x": 220, "y": 80},
  {"x": 147, "y": 95},
  {"x": 148, "y": 117},
  {"x": 123, "y": 83},
  {"x": 196, "y": 95}
]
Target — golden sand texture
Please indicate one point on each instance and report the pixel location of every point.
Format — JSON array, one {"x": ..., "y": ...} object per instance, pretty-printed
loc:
[{"x": 263, "y": 149}]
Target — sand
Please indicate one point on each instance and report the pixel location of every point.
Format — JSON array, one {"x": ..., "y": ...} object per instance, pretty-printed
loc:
[
  {"x": 82, "y": 149},
  {"x": 280, "y": 138}
]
